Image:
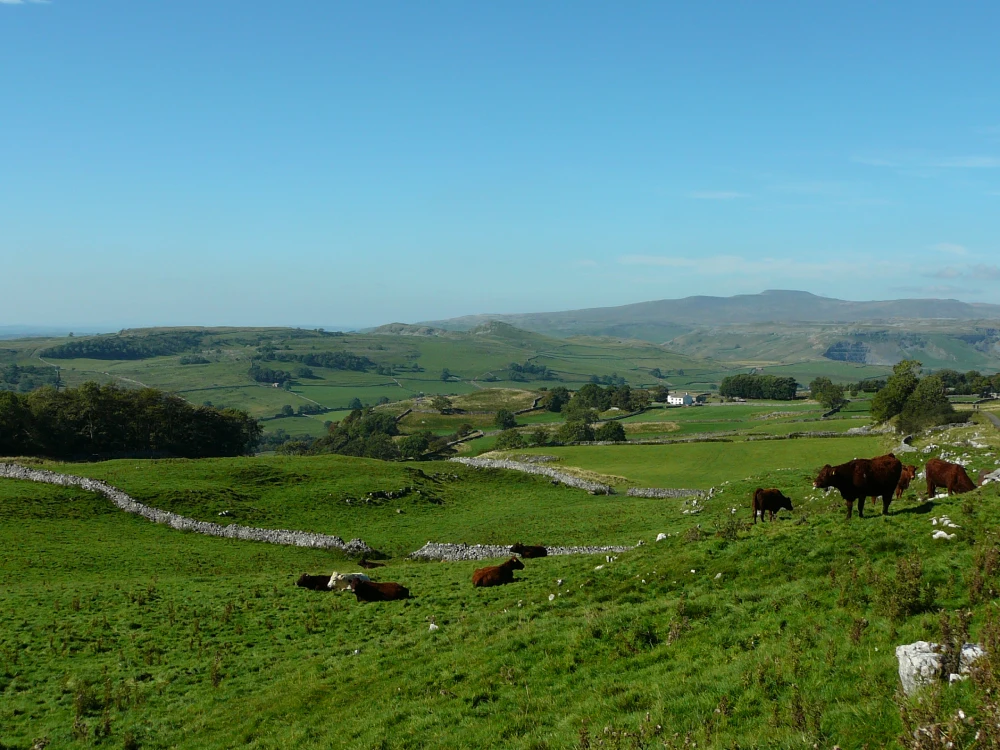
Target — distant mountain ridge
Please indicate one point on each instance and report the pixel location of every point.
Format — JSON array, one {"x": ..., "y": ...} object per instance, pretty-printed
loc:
[{"x": 663, "y": 319}]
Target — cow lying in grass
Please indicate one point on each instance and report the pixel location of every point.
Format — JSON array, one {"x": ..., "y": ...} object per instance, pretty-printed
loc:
[
  {"x": 770, "y": 501},
  {"x": 342, "y": 581},
  {"x": 497, "y": 575},
  {"x": 313, "y": 583},
  {"x": 952, "y": 477},
  {"x": 862, "y": 478},
  {"x": 369, "y": 591},
  {"x": 369, "y": 565},
  {"x": 523, "y": 551}
]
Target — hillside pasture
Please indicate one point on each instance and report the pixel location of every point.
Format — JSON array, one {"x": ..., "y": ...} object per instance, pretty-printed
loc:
[{"x": 115, "y": 631}]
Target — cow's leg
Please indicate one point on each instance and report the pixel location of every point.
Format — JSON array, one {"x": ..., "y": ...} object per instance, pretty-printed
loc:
[
  {"x": 931, "y": 489},
  {"x": 886, "y": 499},
  {"x": 754, "y": 514},
  {"x": 850, "y": 508},
  {"x": 861, "y": 507}
]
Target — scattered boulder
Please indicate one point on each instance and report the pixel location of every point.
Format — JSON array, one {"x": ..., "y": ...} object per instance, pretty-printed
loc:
[{"x": 920, "y": 663}]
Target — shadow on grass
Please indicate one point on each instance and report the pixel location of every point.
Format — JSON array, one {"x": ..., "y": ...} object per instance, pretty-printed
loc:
[{"x": 925, "y": 507}]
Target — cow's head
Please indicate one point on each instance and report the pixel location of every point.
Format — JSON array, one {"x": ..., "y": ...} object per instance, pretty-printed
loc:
[
  {"x": 517, "y": 548},
  {"x": 786, "y": 503},
  {"x": 825, "y": 478},
  {"x": 515, "y": 563}
]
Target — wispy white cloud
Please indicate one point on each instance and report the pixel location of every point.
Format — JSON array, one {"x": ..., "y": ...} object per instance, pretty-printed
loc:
[
  {"x": 950, "y": 248},
  {"x": 717, "y": 195},
  {"x": 936, "y": 289},
  {"x": 983, "y": 271},
  {"x": 975, "y": 272},
  {"x": 923, "y": 161},
  {"x": 735, "y": 265}
]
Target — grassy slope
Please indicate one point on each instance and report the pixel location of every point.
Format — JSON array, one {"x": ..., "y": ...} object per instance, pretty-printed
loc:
[{"x": 742, "y": 642}]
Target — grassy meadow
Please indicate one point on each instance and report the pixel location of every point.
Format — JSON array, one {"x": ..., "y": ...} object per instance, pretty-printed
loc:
[{"x": 115, "y": 632}]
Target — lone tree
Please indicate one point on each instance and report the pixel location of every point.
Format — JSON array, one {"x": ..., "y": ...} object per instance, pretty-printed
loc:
[
  {"x": 829, "y": 395},
  {"x": 442, "y": 404},
  {"x": 509, "y": 440},
  {"x": 505, "y": 419},
  {"x": 611, "y": 432},
  {"x": 889, "y": 401}
]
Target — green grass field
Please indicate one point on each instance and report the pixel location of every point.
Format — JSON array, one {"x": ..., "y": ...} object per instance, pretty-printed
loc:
[
  {"x": 704, "y": 465},
  {"x": 117, "y": 632}
]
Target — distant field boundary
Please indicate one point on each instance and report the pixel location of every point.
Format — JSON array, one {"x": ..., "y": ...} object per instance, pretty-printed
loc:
[{"x": 129, "y": 505}]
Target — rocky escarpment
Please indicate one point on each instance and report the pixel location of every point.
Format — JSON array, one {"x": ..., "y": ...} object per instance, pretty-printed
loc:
[{"x": 129, "y": 505}]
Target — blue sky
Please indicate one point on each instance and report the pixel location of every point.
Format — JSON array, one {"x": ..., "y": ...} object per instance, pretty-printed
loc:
[{"x": 334, "y": 163}]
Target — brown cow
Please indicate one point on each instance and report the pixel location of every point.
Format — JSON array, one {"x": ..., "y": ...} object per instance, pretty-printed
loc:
[
  {"x": 313, "y": 583},
  {"x": 370, "y": 591},
  {"x": 520, "y": 549},
  {"x": 770, "y": 500},
  {"x": 861, "y": 478},
  {"x": 951, "y": 476},
  {"x": 497, "y": 575},
  {"x": 369, "y": 565},
  {"x": 905, "y": 478}
]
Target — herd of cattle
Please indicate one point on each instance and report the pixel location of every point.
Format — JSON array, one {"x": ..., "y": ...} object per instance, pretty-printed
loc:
[
  {"x": 857, "y": 480},
  {"x": 882, "y": 476},
  {"x": 367, "y": 590}
]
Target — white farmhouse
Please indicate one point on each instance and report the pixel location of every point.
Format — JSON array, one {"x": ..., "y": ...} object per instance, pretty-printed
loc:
[{"x": 676, "y": 400}]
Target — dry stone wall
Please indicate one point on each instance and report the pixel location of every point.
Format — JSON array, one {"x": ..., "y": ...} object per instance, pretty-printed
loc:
[
  {"x": 456, "y": 552},
  {"x": 595, "y": 488},
  {"x": 129, "y": 505}
]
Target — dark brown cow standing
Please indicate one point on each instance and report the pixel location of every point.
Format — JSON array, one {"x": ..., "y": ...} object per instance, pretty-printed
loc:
[
  {"x": 313, "y": 583},
  {"x": 497, "y": 575},
  {"x": 520, "y": 549},
  {"x": 861, "y": 478},
  {"x": 370, "y": 591},
  {"x": 770, "y": 501},
  {"x": 369, "y": 565},
  {"x": 950, "y": 476}
]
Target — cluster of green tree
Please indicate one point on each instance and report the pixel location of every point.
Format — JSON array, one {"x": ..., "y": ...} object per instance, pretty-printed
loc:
[
  {"x": 657, "y": 373},
  {"x": 871, "y": 385},
  {"x": 918, "y": 402},
  {"x": 126, "y": 347},
  {"x": 267, "y": 375},
  {"x": 829, "y": 394},
  {"x": 592, "y": 396},
  {"x": 369, "y": 434},
  {"x": 364, "y": 433},
  {"x": 303, "y": 410},
  {"x": 555, "y": 399},
  {"x": 972, "y": 383},
  {"x": 423, "y": 444},
  {"x": 612, "y": 379},
  {"x": 758, "y": 386},
  {"x": 194, "y": 359},
  {"x": 573, "y": 431},
  {"x": 523, "y": 373},
  {"x": 27, "y": 378},
  {"x": 331, "y": 360},
  {"x": 103, "y": 421}
]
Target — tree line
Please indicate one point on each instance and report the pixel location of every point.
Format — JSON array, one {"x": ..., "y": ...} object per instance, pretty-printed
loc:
[
  {"x": 758, "y": 386},
  {"x": 127, "y": 347},
  {"x": 26, "y": 378},
  {"x": 95, "y": 421}
]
